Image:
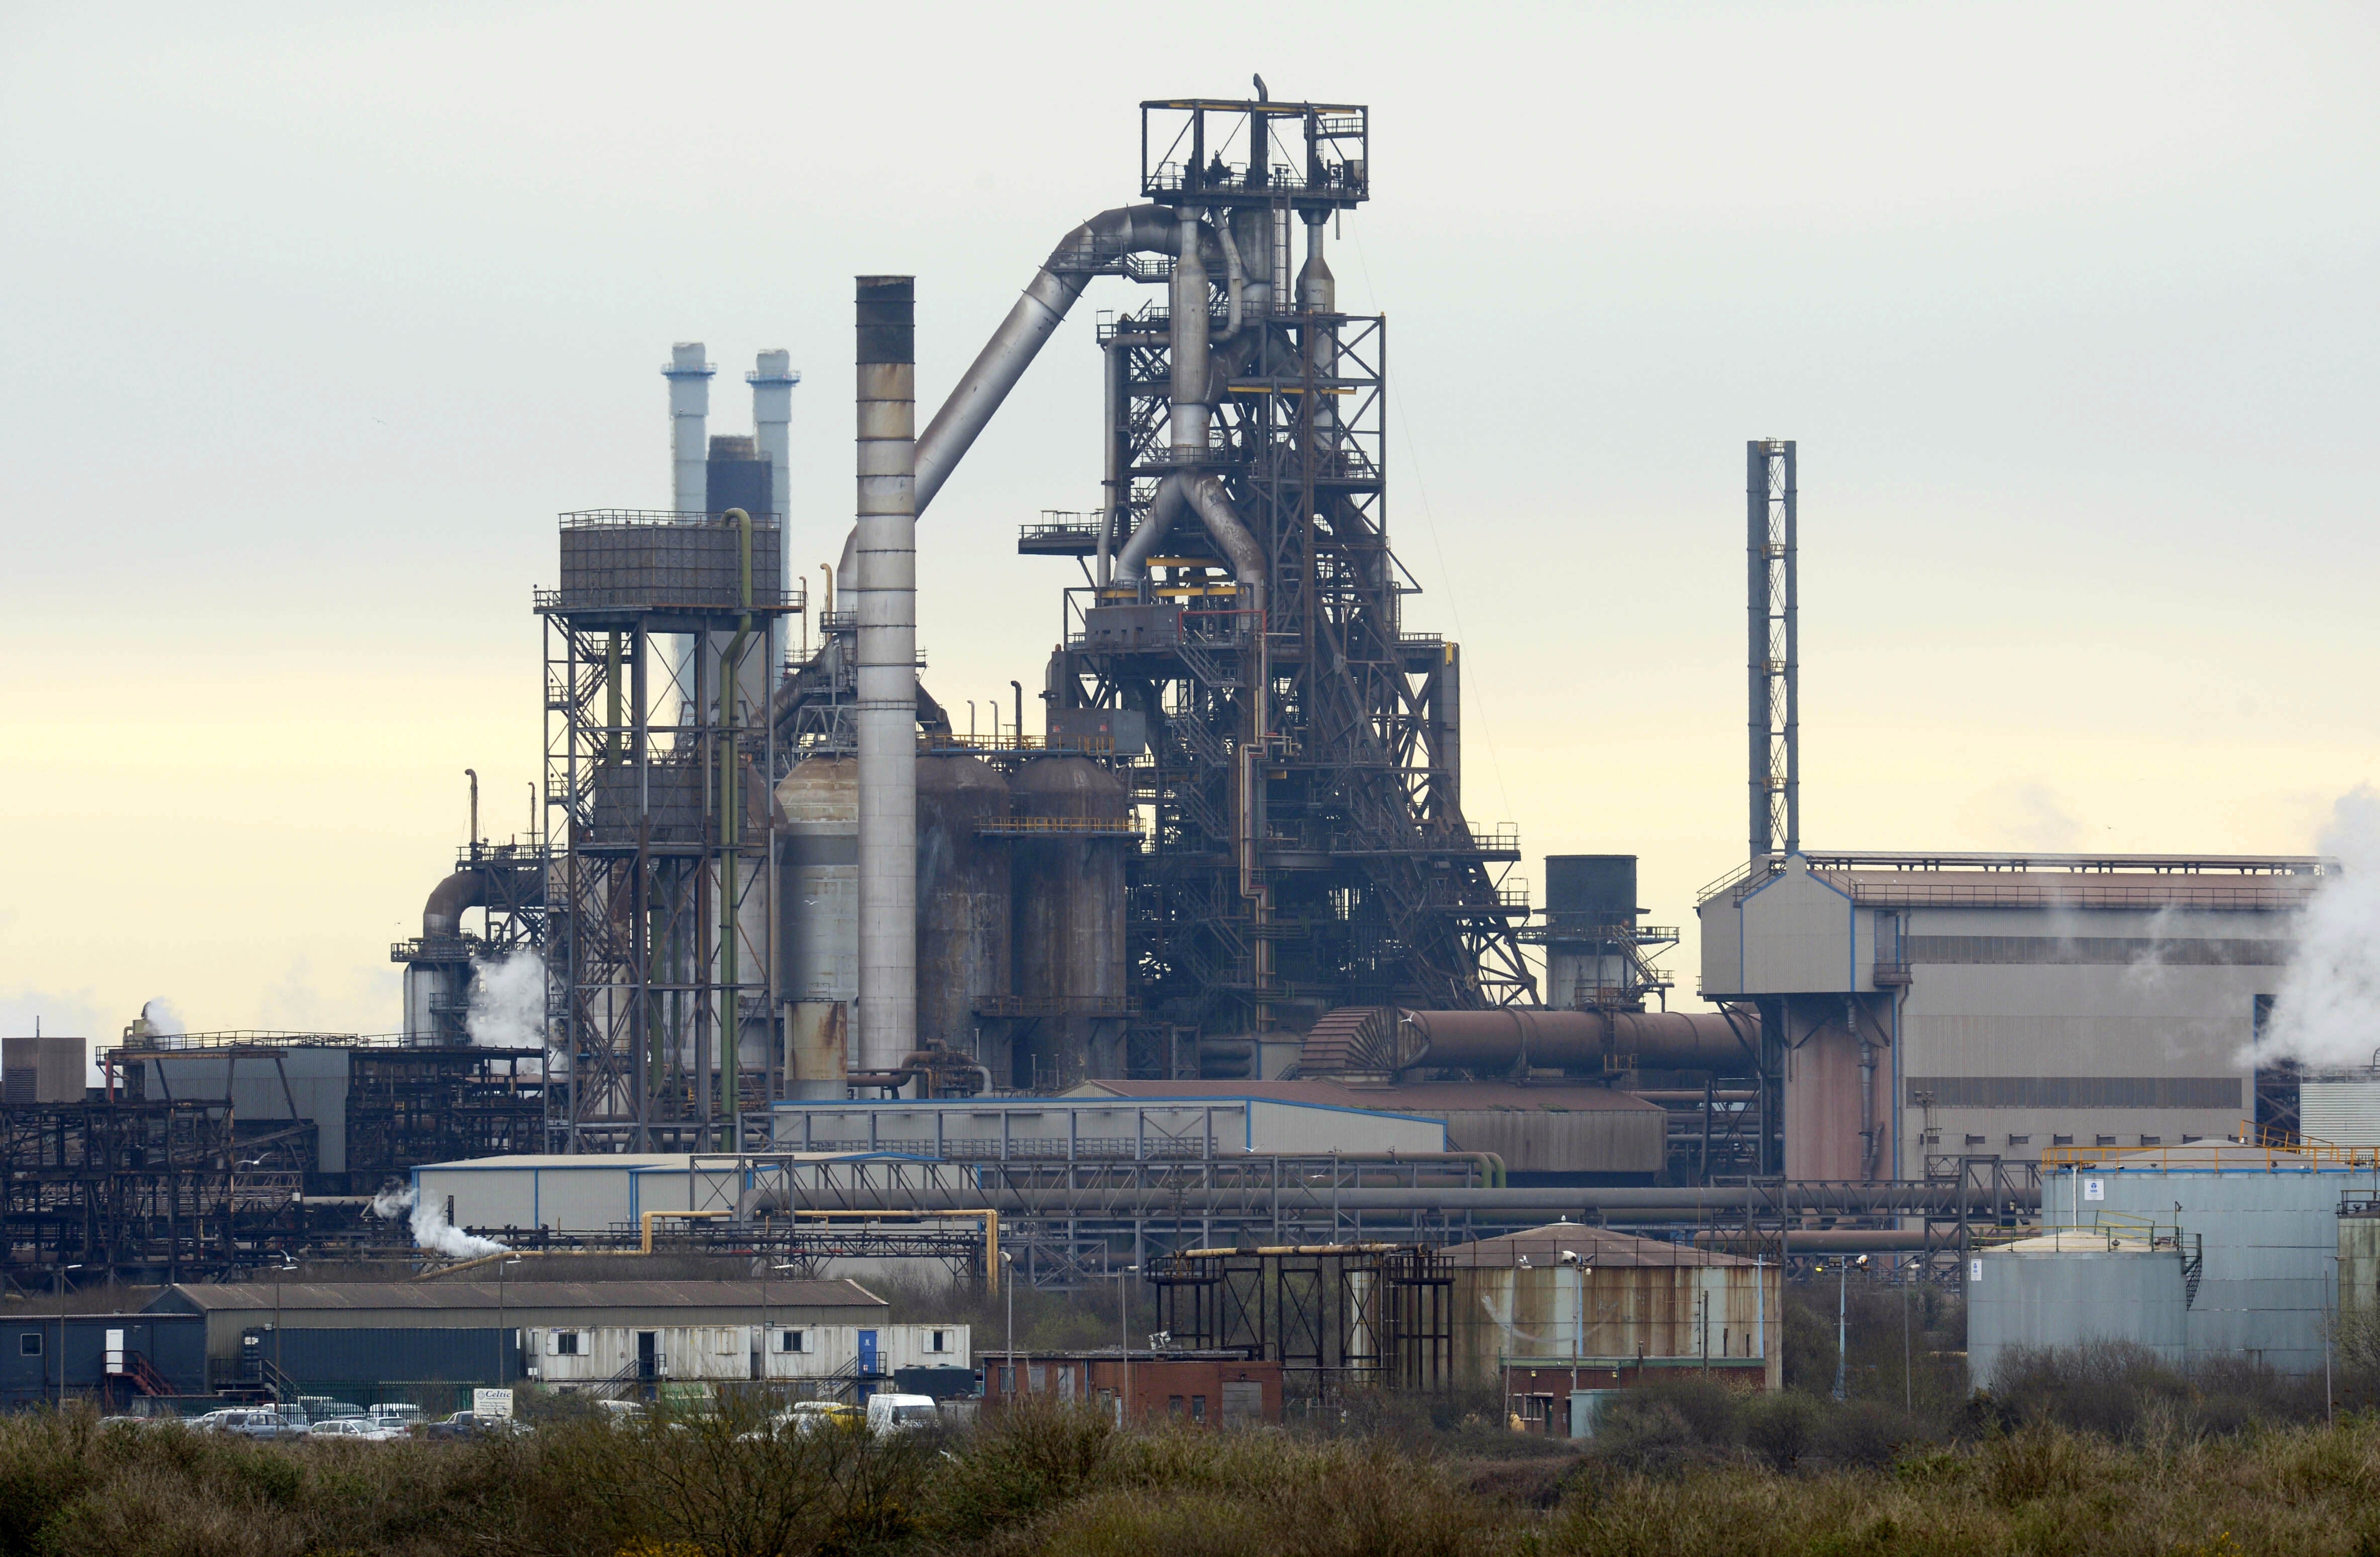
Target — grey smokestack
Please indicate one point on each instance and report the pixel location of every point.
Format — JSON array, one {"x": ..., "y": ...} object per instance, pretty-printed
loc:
[{"x": 887, "y": 707}]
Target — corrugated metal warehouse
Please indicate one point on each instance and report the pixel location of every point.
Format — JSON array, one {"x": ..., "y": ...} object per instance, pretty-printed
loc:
[
  {"x": 1607, "y": 1309},
  {"x": 782, "y": 1350},
  {"x": 1118, "y": 1119},
  {"x": 1544, "y": 1134},
  {"x": 120, "y": 1355},
  {"x": 231, "y": 1309},
  {"x": 2003, "y": 1004}
]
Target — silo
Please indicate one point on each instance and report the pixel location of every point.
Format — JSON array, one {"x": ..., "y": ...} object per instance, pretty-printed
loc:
[
  {"x": 962, "y": 901},
  {"x": 818, "y": 862},
  {"x": 1067, "y": 877},
  {"x": 2262, "y": 1222},
  {"x": 2074, "y": 1286}
]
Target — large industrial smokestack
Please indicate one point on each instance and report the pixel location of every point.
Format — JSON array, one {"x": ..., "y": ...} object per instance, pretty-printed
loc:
[
  {"x": 772, "y": 380},
  {"x": 887, "y": 707},
  {"x": 689, "y": 381}
]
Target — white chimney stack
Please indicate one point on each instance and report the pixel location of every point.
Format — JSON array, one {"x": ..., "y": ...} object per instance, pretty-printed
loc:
[
  {"x": 689, "y": 381},
  {"x": 772, "y": 380}
]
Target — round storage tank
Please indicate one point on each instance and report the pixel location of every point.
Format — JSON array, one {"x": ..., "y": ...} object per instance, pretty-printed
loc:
[
  {"x": 818, "y": 893},
  {"x": 1066, "y": 875},
  {"x": 2070, "y": 1288},
  {"x": 963, "y": 907}
]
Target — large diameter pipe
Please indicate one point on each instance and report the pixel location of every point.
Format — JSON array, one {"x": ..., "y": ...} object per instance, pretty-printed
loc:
[
  {"x": 441, "y": 916},
  {"x": 1511, "y": 1037},
  {"x": 1133, "y": 229},
  {"x": 1905, "y": 1198},
  {"x": 885, "y": 714},
  {"x": 1189, "y": 345}
]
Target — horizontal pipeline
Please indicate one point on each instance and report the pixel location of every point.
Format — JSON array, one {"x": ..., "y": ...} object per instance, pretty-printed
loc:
[{"x": 1841, "y": 1199}]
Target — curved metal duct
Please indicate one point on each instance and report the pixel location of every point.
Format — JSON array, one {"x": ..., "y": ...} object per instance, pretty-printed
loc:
[
  {"x": 441, "y": 916},
  {"x": 1102, "y": 240},
  {"x": 1511, "y": 1038}
]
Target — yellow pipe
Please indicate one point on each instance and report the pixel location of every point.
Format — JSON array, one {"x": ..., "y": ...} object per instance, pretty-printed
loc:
[
  {"x": 990, "y": 1222},
  {"x": 648, "y": 1218}
]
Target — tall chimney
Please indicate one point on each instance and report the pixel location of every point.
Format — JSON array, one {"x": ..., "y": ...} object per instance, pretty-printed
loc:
[
  {"x": 886, "y": 710},
  {"x": 772, "y": 380},
  {"x": 689, "y": 381}
]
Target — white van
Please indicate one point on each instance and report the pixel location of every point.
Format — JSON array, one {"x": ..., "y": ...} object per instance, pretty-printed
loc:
[{"x": 889, "y": 1414}]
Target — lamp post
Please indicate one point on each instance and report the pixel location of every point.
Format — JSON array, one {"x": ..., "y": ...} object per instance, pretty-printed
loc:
[
  {"x": 62, "y": 1332},
  {"x": 1578, "y": 1320},
  {"x": 279, "y": 1373},
  {"x": 1008, "y": 1284},
  {"x": 1842, "y": 1313},
  {"x": 1123, "y": 1335},
  {"x": 766, "y": 1267},
  {"x": 501, "y": 1266}
]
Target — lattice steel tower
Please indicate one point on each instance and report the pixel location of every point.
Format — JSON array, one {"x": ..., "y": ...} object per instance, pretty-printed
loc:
[
  {"x": 1302, "y": 771},
  {"x": 1773, "y": 603},
  {"x": 658, "y": 759}
]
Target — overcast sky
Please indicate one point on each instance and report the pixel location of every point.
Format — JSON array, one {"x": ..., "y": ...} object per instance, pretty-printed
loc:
[{"x": 312, "y": 317}]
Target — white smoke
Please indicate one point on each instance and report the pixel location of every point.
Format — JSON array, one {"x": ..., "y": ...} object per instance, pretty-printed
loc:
[
  {"x": 2326, "y": 1011},
  {"x": 508, "y": 1003},
  {"x": 162, "y": 1019},
  {"x": 431, "y": 1231}
]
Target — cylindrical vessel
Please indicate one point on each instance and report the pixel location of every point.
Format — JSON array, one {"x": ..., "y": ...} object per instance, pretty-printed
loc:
[
  {"x": 818, "y": 938},
  {"x": 885, "y": 712},
  {"x": 2072, "y": 1289},
  {"x": 1189, "y": 345},
  {"x": 1508, "y": 1038},
  {"x": 1068, "y": 884},
  {"x": 963, "y": 898}
]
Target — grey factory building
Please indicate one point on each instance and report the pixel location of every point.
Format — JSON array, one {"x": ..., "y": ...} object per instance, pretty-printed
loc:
[{"x": 1944, "y": 1005}]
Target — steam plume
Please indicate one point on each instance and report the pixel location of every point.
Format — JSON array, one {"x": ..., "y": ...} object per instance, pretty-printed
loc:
[
  {"x": 508, "y": 1003},
  {"x": 2327, "y": 1009},
  {"x": 162, "y": 1019},
  {"x": 431, "y": 1231}
]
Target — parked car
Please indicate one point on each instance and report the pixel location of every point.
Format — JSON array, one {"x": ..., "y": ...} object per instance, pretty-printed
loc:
[
  {"x": 469, "y": 1424},
  {"x": 321, "y": 1410},
  {"x": 397, "y": 1415},
  {"x": 361, "y": 1428},
  {"x": 251, "y": 1422},
  {"x": 890, "y": 1414},
  {"x": 810, "y": 1416}
]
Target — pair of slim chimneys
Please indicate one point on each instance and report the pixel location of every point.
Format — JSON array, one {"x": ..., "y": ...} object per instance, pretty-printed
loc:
[{"x": 883, "y": 596}]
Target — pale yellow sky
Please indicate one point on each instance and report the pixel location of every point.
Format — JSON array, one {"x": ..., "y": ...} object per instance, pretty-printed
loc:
[{"x": 318, "y": 314}]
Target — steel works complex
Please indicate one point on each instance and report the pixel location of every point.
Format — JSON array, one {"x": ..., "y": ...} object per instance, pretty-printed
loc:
[{"x": 1190, "y": 963}]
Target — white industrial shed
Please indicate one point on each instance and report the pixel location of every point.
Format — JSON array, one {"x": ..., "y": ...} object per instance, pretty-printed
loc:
[
  {"x": 1098, "y": 1119},
  {"x": 588, "y": 1194}
]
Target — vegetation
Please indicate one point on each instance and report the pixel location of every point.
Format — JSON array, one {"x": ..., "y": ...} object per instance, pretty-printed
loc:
[{"x": 2104, "y": 1451}]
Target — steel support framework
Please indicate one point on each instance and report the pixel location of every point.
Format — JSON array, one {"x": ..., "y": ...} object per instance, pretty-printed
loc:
[
  {"x": 514, "y": 878},
  {"x": 144, "y": 1190},
  {"x": 1307, "y": 843},
  {"x": 1774, "y": 662},
  {"x": 1376, "y": 1315},
  {"x": 666, "y": 978},
  {"x": 1084, "y": 1219}
]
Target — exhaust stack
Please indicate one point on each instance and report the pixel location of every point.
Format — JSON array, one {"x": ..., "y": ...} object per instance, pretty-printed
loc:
[
  {"x": 772, "y": 378},
  {"x": 886, "y": 710},
  {"x": 689, "y": 381}
]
